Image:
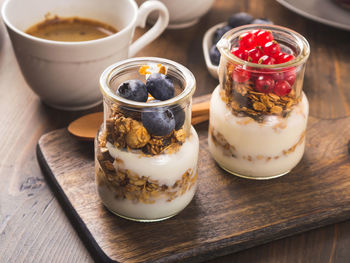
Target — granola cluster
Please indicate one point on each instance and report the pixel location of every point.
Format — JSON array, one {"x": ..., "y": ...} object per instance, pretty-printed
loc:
[
  {"x": 129, "y": 185},
  {"x": 244, "y": 100},
  {"x": 127, "y": 133}
]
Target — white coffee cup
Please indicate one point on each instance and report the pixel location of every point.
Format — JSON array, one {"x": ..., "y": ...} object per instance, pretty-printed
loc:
[{"x": 65, "y": 74}]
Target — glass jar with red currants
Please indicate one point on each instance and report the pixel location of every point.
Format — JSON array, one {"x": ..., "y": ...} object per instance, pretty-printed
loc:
[{"x": 258, "y": 113}]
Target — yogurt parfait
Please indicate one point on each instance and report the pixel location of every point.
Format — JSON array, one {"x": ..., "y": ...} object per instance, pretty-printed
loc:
[
  {"x": 258, "y": 113},
  {"x": 146, "y": 150}
]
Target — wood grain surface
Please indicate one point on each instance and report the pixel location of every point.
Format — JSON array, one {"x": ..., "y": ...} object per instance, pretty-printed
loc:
[
  {"x": 228, "y": 214},
  {"x": 33, "y": 226}
]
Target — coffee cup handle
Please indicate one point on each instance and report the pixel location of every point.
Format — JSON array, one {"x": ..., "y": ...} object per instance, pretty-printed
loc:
[{"x": 162, "y": 22}]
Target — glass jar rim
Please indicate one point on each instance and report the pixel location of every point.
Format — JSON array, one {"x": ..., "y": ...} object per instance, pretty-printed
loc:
[
  {"x": 114, "y": 69},
  {"x": 224, "y": 44}
]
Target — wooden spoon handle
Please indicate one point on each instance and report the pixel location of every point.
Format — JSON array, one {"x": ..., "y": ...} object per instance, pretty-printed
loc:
[
  {"x": 201, "y": 108},
  {"x": 199, "y": 119}
]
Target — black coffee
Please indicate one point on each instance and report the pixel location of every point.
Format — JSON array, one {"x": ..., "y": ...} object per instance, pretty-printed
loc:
[{"x": 71, "y": 29}]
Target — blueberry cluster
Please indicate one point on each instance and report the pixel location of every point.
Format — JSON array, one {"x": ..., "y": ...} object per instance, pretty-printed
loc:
[
  {"x": 238, "y": 19},
  {"x": 158, "y": 121}
]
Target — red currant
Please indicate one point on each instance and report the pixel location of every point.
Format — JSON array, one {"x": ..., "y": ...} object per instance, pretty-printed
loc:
[
  {"x": 256, "y": 32},
  {"x": 278, "y": 75},
  {"x": 279, "y": 56},
  {"x": 272, "y": 49},
  {"x": 247, "y": 41},
  {"x": 240, "y": 75},
  {"x": 254, "y": 55},
  {"x": 266, "y": 60},
  {"x": 241, "y": 53},
  {"x": 264, "y": 84},
  {"x": 263, "y": 37},
  {"x": 290, "y": 76},
  {"x": 285, "y": 58},
  {"x": 282, "y": 88}
]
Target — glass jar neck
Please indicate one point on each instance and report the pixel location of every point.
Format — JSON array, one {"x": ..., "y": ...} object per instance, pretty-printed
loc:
[
  {"x": 176, "y": 70},
  {"x": 294, "y": 40}
]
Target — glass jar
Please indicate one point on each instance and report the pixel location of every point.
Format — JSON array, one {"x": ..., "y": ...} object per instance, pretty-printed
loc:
[
  {"x": 143, "y": 174},
  {"x": 258, "y": 113}
]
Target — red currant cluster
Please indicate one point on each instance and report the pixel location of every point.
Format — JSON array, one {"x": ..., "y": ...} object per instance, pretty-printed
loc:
[{"x": 259, "y": 46}]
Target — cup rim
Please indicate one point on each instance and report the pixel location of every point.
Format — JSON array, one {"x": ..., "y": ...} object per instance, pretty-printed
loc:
[
  {"x": 111, "y": 71},
  {"x": 66, "y": 43}
]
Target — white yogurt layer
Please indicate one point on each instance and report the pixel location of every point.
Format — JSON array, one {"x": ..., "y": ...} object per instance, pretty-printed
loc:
[
  {"x": 158, "y": 210},
  {"x": 260, "y": 148},
  {"x": 165, "y": 168}
]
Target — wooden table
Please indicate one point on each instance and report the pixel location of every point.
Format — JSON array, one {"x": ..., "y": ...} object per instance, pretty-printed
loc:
[{"x": 33, "y": 227}]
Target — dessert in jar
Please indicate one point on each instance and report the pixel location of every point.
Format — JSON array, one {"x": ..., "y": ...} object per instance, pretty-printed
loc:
[
  {"x": 146, "y": 150},
  {"x": 258, "y": 113}
]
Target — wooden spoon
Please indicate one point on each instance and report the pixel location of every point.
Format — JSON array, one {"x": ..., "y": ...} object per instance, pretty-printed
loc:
[{"x": 86, "y": 127}]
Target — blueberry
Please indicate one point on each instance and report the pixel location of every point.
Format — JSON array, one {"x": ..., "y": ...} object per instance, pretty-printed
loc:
[
  {"x": 264, "y": 21},
  {"x": 214, "y": 55},
  {"x": 159, "y": 122},
  {"x": 179, "y": 115},
  {"x": 219, "y": 33},
  {"x": 240, "y": 19},
  {"x": 133, "y": 90},
  {"x": 160, "y": 86}
]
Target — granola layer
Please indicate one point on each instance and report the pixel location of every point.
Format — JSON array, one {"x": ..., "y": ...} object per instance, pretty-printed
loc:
[
  {"x": 128, "y": 185},
  {"x": 129, "y": 134},
  {"x": 230, "y": 150},
  {"x": 243, "y": 100}
]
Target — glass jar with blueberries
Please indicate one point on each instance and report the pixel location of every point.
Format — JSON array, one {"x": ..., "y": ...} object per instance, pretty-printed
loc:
[
  {"x": 258, "y": 113},
  {"x": 146, "y": 150}
]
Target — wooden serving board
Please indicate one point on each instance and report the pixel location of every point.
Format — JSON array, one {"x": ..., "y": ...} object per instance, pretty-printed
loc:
[{"x": 228, "y": 213}]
